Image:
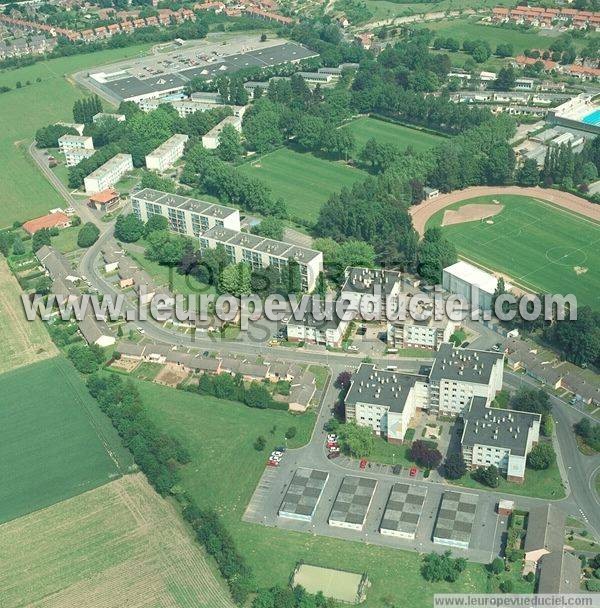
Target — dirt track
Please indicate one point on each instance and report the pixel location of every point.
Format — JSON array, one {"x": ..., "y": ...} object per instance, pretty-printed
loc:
[{"x": 421, "y": 213}]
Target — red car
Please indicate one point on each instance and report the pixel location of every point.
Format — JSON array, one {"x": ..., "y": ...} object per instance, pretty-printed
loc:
[
  {"x": 332, "y": 444},
  {"x": 413, "y": 471},
  {"x": 363, "y": 464}
]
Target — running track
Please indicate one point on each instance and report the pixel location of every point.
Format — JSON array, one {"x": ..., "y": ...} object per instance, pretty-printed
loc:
[{"x": 421, "y": 213}]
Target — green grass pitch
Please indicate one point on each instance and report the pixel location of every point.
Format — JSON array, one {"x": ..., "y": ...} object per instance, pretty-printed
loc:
[
  {"x": 384, "y": 132},
  {"x": 302, "y": 180},
  {"x": 53, "y": 438},
  {"x": 542, "y": 247}
]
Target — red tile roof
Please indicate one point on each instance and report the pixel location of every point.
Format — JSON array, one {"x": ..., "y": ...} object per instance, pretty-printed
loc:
[{"x": 52, "y": 220}]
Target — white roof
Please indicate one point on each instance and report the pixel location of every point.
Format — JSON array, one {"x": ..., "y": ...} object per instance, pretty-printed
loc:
[{"x": 484, "y": 281}]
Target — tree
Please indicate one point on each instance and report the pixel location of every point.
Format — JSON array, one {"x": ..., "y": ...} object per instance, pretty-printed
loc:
[
  {"x": 269, "y": 227},
  {"x": 454, "y": 466},
  {"x": 43, "y": 285},
  {"x": 260, "y": 443},
  {"x": 84, "y": 358},
  {"x": 155, "y": 223},
  {"x": 128, "y": 228},
  {"x": 47, "y": 137},
  {"x": 434, "y": 253},
  {"x": 488, "y": 476},
  {"x": 496, "y": 566},
  {"x": 291, "y": 432},
  {"x": 506, "y": 586},
  {"x": 6, "y": 242},
  {"x": 528, "y": 173},
  {"x": 505, "y": 49},
  {"x": 547, "y": 427},
  {"x": 39, "y": 239},
  {"x": 257, "y": 395},
  {"x": 236, "y": 279},
  {"x": 342, "y": 382},
  {"x": 506, "y": 79},
  {"x": 424, "y": 455},
  {"x": 18, "y": 247},
  {"x": 438, "y": 568},
  {"x": 230, "y": 144},
  {"x": 356, "y": 440},
  {"x": 88, "y": 234},
  {"x": 166, "y": 248},
  {"x": 541, "y": 457}
]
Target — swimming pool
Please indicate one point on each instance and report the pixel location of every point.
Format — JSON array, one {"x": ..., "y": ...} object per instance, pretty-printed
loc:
[{"x": 592, "y": 119}]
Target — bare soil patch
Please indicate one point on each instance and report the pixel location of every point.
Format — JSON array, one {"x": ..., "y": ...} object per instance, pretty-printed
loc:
[
  {"x": 125, "y": 365},
  {"x": 171, "y": 375},
  {"x": 470, "y": 213}
]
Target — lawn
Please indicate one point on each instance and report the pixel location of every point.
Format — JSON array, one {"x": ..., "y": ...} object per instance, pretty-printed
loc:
[
  {"x": 25, "y": 191},
  {"x": 66, "y": 241},
  {"x": 224, "y": 472},
  {"x": 384, "y": 132},
  {"x": 541, "y": 247},
  {"x": 469, "y": 29},
  {"x": 54, "y": 441},
  {"x": 302, "y": 180},
  {"x": 119, "y": 544},
  {"x": 385, "y": 9}
]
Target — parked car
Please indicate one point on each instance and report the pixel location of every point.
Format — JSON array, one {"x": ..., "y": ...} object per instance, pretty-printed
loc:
[
  {"x": 363, "y": 464},
  {"x": 334, "y": 448},
  {"x": 331, "y": 437},
  {"x": 413, "y": 471},
  {"x": 352, "y": 348}
]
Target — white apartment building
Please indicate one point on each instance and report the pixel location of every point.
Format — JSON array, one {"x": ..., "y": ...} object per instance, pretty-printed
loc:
[
  {"x": 427, "y": 333},
  {"x": 211, "y": 140},
  {"x": 108, "y": 174},
  {"x": 458, "y": 374},
  {"x": 187, "y": 216},
  {"x": 385, "y": 400},
  {"x": 313, "y": 330},
  {"x": 167, "y": 153},
  {"x": 371, "y": 285},
  {"x": 75, "y": 148},
  {"x": 260, "y": 252},
  {"x": 503, "y": 438}
]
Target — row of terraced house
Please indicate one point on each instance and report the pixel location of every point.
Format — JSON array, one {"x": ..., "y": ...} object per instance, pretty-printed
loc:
[{"x": 547, "y": 17}]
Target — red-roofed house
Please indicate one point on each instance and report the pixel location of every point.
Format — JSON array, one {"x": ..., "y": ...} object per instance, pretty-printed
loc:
[
  {"x": 52, "y": 220},
  {"x": 105, "y": 201}
]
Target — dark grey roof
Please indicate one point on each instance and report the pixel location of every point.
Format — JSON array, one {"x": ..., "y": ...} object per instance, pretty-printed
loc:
[
  {"x": 316, "y": 308},
  {"x": 496, "y": 427},
  {"x": 92, "y": 329},
  {"x": 55, "y": 262},
  {"x": 132, "y": 86},
  {"x": 465, "y": 365},
  {"x": 303, "y": 493},
  {"x": 365, "y": 280},
  {"x": 545, "y": 529},
  {"x": 353, "y": 500},
  {"x": 560, "y": 572},
  {"x": 403, "y": 508},
  {"x": 455, "y": 517},
  {"x": 381, "y": 387},
  {"x": 183, "y": 202}
]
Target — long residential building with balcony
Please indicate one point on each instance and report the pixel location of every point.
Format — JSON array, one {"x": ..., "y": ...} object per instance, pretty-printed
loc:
[
  {"x": 108, "y": 174},
  {"x": 260, "y": 252},
  {"x": 187, "y": 216},
  {"x": 168, "y": 153}
]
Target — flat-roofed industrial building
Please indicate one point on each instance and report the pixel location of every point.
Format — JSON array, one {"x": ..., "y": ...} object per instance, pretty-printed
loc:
[
  {"x": 303, "y": 494},
  {"x": 403, "y": 510}
]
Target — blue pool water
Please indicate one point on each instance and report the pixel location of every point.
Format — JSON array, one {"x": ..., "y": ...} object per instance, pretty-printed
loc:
[{"x": 592, "y": 119}]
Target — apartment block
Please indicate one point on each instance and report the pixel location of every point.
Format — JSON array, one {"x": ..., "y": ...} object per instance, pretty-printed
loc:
[
  {"x": 385, "y": 400},
  {"x": 186, "y": 216},
  {"x": 211, "y": 140},
  {"x": 75, "y": 148},
  {"x": 458, "y": 374},
  {"x": 313, "y": 328},
  {"x": 426, "y": 333},
  {"x": 260, "y": 252},
  {"x": 371, "y": 285},
  {"x": 503, "y": 438},
  {"x": 108, "y": 174},
  {"x": 168, "y": 153}
]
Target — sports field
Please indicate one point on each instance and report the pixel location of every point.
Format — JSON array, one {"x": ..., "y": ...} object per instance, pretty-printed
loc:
[
  {"x": 540, "y": 246},
  {"x": 303, "y": 181},
  {"x": 23, "y": 342},
  {"x": 384, "y": 132},
  {"x": 224, "y": 471},
  {"x": 118, "y": 545},
  {"x": 54, "y": 441},
  {"x": 25, "y": 191}
]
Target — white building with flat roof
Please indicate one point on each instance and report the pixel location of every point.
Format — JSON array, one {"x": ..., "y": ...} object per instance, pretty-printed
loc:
[
  {"x": 108, "y": 115},
  {"x": 167, "y": 153},
  {"x": 260, "y": 252},
  {"x": 108, "y": 174},
  {"x": 187, "y": 216},
  {"x": 426, "y": 333},
  {"x": 211, "y": 140},
  {"x": 476, "y": 285},
  {"x": 75, "y": 148},
  {"x": 503, "y": 438}
]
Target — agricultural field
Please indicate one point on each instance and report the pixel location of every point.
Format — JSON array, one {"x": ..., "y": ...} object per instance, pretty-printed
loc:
[
  {"x": 118, "y": 545},
  {"x": 384, "y": 132},
  {"x": 26, "y": 193},
  {"x": 54, "y": 441},
  {"x": 302, "y": 180},
  {"x": 23, "y": 341},
  {"x": 224, "y": 473},
  {"x": 463, "y": 29},
  {"x": 515, "y": 242}
]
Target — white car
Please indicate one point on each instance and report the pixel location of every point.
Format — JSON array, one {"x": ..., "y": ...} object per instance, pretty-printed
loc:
[
  {"x": 353, "y": 349},
  {"x": 334, "y": 449},
  {"x": 332, "y": 437}
]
